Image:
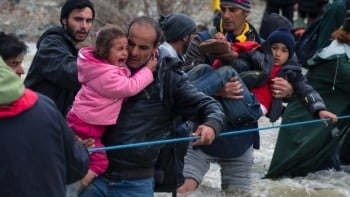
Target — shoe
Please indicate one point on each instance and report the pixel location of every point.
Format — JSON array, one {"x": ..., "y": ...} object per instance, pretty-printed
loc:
[
  {"x": 227, "y": 56},
  {"x": 215, "y": 47}
]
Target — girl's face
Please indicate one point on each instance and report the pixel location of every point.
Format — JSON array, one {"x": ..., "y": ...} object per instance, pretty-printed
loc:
[
  {"x": 118, "y": 53},
  {"x": 280, "y": 53}
]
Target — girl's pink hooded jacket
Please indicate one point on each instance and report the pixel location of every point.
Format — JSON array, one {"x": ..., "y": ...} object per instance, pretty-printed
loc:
[{"x": 104, "y": 87}]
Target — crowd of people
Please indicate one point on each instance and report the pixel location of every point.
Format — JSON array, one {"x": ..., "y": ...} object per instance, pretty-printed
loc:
[
  {"x": 301, "y": 13},
  {"x": 159, "y": 77}
]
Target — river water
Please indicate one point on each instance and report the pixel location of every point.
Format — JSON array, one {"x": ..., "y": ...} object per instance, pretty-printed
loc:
[
  {"x": 326, "y": 183},
  {"x": 320, "y": 184}
]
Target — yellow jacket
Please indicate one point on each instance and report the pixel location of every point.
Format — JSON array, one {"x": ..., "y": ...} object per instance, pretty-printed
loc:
[{"x": 215, "y": 5}]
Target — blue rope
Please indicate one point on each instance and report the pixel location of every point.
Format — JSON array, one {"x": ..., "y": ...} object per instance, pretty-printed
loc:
[{"x": 174, "y": 140}]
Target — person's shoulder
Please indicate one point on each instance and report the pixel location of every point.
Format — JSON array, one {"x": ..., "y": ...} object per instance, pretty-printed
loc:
[
  {"x": 48, "y": 102},
  {"x": 166, "y": 50},
  {"x": 54, "y": 33},
  {"x": 55, "y": 30},
  {"x": 271, "y": 22},
  {"x": 169, "y": 61}
]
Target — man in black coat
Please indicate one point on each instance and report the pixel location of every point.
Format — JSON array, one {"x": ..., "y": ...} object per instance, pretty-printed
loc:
[
  {"x": 148, "y": 116},
  {"x": 53, "y": 71}
]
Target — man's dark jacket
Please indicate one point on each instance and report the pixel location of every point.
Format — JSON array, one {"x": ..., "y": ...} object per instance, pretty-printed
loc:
[
  {"x": 53, "y": 71},
  {"x": 39, "y": 153},
  {"x": 149, "y": 115}
]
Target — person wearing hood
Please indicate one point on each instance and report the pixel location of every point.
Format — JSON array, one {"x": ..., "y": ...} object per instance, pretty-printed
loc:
[
  {"x": 53, "y": 71},
  {"x": 40, "y": 154},
  {"x": 106, "y": 83}
]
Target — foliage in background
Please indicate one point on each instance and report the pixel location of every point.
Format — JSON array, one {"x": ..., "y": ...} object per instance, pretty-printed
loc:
[{"x": 29, "y": 18}]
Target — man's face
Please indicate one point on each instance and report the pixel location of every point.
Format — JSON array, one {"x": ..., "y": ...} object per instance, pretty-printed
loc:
[
  {"x": 78, "y": 23},
  {"x": 16, "y": 64},
  {"x": 233, "y": 19},
  {"x": 141, "y": 41}
]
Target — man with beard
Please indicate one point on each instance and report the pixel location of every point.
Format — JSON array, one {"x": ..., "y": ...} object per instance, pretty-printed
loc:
[
  {"x": 233, "y": 153},
  {"x": 148, "y": 116},
  {"x": 178, "y": 30},
  {"x": 53, "y": 71}
]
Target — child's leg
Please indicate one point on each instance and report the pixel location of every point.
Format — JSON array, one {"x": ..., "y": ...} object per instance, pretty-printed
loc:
[
  {"x": 210, "y": 80},
  {"x": 240, "y": 111},
  {"x": 98, "y": 160},
  {"x": 207, "y": 79}
]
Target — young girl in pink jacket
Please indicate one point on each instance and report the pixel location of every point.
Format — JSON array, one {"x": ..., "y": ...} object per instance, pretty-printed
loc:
[{"x": 106, "y": 82}]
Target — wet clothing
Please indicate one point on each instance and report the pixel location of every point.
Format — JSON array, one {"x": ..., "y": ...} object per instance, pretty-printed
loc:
[
  {"x": 39, "y": 151},
  {"x": 148, "y": 116},
  {"x": 329, "y": 74},
  {"x": 256, "y": 75},
  {"x": 233, "y": 145},
  {"x": 105, "y": 87},
  {"x": 53, "y": 71},
  {"x": 98, "y": 102},
  {"x": 198, "y": 164},
  {"x": 194, "y": 55},
  {"x": 294, "y": 146},
  {"x": 227, "y": 150}
]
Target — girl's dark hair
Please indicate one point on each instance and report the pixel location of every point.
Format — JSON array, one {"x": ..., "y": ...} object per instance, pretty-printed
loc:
[
  {"x": 104, "y": 39},
  {"x": 150, "y": 21},
  {"x": 11, "y": 46}
]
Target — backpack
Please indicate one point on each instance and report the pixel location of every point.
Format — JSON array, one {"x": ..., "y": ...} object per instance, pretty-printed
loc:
[{"x": 306, "y": 46}]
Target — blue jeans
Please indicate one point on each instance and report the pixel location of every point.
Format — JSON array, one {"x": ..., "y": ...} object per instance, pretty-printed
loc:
[
  {"x": 101, "y": 187},
  {"x": 210, "y": 80}
]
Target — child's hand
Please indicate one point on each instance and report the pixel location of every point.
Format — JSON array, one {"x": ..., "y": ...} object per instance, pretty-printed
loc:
[
  {"x": 88, "y": 143},
  {"x": 326, "y": 114},
  {"x": 88, "y": 178},
  {"x": 152, "y": 62}
]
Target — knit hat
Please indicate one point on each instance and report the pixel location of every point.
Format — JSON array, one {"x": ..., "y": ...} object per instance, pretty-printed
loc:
[
  {"x": 283, "y": 35},
  {"x": 176, "y": 26},
  {"x": 11, "y": 86},
  {"x": 271, "y": 22},
  {"x": 243, "y": 4},
  {"x": 70, "y": 5}
]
